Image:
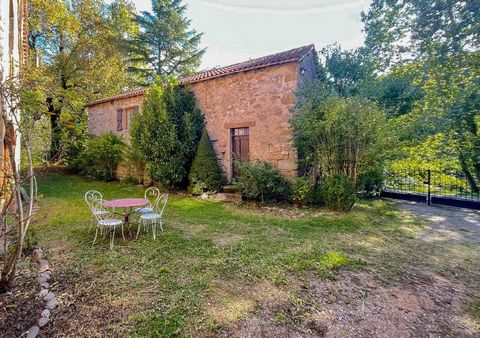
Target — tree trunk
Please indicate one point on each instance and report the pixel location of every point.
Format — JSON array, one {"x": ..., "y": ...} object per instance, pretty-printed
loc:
[
  {"x": 55, "y": 130},
  {"x": 469, "y": 176},
  {"x": 10, "y": 267}
]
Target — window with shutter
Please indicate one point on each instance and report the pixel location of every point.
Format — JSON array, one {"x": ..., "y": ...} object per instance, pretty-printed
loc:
[{"x": 119, "y": 119}]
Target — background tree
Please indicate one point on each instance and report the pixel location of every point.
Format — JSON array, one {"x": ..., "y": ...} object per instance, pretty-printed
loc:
[
  {"x": 344, "y": 72},
  {"x": 428, "y": 54},
  {"x": 101, "y": 156},
  {"x": 400, "y": 31},
  {"x": 165, "y": 45},
  {"x": 78, "y": 56}
]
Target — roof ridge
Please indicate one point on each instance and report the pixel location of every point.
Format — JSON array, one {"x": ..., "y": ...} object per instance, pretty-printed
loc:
[
  {"x": 276, "y": 58},
  {"x": 254, "y": 59}
]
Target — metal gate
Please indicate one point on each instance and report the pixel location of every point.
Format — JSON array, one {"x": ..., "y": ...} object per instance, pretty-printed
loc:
[{"x": 450, "y": 188}]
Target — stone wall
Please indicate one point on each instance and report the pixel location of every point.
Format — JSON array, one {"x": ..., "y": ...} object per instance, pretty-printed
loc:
[
  {"x": 306, "y": 68},
  {"x": 103, "y": 117},
  {"x": 258, "y": 99}
]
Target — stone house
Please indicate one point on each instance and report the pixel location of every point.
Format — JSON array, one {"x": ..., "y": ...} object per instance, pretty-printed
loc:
[{"x": 247, "y": 108}]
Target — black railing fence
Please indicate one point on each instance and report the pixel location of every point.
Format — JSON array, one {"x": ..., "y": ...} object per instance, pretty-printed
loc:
[{"x": 431, "y": 187}]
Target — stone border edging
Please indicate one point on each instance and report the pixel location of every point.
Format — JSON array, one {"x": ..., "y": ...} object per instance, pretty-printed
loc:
[{"x": 44, "y": 274}]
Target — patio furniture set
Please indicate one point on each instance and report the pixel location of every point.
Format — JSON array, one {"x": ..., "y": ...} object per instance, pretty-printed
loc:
[{"x": 105, "y": 214}]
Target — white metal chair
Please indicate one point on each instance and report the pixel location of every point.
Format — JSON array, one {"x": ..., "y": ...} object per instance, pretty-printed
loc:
[
  {"x": 155, "y": 217},
  {"x": 152, "y": 194},
  {"x": 90, "y": 197},
  {"x": 105, "y": 220}
]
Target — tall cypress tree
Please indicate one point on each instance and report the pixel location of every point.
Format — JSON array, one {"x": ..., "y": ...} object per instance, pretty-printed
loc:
[
  {"x": 205, "y": 174},
  {"x": 166, "y": 45}
]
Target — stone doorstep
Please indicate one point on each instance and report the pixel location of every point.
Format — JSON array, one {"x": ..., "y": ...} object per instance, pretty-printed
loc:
[
  {"x": 230, "y": 189},
  {"x": 228, "y": 197}
]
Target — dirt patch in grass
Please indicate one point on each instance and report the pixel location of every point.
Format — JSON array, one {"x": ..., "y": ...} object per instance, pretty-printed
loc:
[
  {"x": 230, "y": 303},
  {"x": 227, "y": 239},
  {"x": 191, "y": 230},
  {"x": 84, "y": 310},
  {"x": 354, "y": 305},
  {"x": 281, "y": 211},
  {"x": 426, "y": 305}
]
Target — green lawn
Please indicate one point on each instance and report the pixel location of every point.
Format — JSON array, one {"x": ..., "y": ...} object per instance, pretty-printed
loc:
[{"x": 215, "y": 265}]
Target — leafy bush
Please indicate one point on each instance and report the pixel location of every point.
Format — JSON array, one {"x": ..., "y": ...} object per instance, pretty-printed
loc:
[
  {"x": 259, "y": 181},
  {"x": 101, "y": 156},
  {"x": 335, "y": 135},
  {"x": 167, "y": 132},
  {"x": 205, "y": 173},
  {"x": 302, "y": 191},
  {"x": 370, "y": 183},
  {"x": 337, "y": 192}
]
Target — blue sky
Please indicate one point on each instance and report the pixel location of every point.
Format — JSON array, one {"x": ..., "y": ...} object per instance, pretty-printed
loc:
[{"x": 237, "y": 30}]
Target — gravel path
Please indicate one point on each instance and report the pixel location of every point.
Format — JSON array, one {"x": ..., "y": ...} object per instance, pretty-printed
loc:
[{"x": 446, "y": 223}]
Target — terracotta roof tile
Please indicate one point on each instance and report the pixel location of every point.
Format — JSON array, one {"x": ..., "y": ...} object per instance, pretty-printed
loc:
[
  {"x": 266, "y": 61},
  {"x": 124, "y": 95}
]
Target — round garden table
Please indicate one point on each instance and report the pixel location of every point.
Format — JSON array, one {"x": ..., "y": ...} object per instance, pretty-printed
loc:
[{"x": 129, "y": 205}]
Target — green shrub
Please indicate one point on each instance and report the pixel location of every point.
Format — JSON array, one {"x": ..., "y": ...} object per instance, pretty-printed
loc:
[
  {"x": 135, "y": 163},
  {"x": 302, "y": 191},
  {"x": 337, "y": 193},
  {"x": 259, "y": 181},
  {"x": 101, "y": 156},
  {"x": 205, "y": 173},
  {"x": 369, "y": 184},
  {"x": 167, "y": 132},
  {"x": 335, "y": 135}
]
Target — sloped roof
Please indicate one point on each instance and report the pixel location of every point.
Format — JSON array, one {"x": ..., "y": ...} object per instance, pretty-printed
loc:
[
  {"x": 292, "y": 55},
  {"x": 266, "y": 61},
  {"x": 124, "y": 95}
]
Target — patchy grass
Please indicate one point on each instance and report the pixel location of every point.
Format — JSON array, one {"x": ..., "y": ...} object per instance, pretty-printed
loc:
[
  {"x": 474, "y": 308},
  {"x": 214, "y": 266}
]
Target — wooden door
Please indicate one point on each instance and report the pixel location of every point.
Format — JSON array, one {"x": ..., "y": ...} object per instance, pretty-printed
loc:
[{"x": 240, "y": 147}]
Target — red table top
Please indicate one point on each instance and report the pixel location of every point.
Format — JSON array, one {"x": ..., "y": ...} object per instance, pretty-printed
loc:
[{"x": 127, "y": 203}]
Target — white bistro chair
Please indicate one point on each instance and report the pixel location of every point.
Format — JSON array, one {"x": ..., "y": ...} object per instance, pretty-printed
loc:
[
  {"x": 152, "y": 194},
  {"x": 90, "y": 197},
  {"x": 105, "y": 220},
  {"x": 155, "y": 217}
]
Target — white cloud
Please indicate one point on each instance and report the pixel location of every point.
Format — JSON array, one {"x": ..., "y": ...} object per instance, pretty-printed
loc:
[{"x": 285, "y": 8}]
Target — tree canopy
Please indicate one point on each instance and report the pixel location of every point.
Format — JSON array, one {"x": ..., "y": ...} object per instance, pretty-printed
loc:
[
  {"x": 77, "y": 56},
  {"x": 83, "y": 50},
  {"x": 165, "y": 45}
]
